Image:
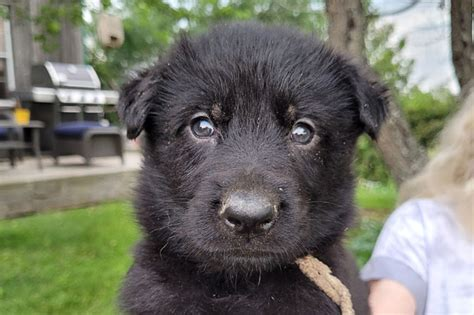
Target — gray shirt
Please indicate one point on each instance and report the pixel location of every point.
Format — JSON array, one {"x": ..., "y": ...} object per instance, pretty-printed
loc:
[{"x": 423, "y": 247}]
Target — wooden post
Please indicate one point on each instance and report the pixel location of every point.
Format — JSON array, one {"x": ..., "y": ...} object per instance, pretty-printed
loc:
[
  {"x": 70, "y": 49},
  {"x": 21, "y": 44},
  {"x": 27, "y": 52},
  {"x": 70, "y": 42}
]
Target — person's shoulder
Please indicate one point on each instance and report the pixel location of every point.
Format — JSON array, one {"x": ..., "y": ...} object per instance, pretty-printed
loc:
[
  {"x": 401, "y": 245},
  {"x": 421, "y": 214},
  {"x": 412, "y": 216},
  {"x": 418, "y": 207},
  {"x": 410, "y": 208}
]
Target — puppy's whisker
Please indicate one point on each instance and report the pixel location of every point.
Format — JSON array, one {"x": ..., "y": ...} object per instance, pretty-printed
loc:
[{"x": 162, "y": 248}]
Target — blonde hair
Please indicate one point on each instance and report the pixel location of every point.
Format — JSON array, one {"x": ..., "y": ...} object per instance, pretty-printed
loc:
[{"x": 449, "y": 176}]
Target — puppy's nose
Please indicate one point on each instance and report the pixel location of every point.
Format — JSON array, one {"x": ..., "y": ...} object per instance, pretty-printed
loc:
[{"x": 248, "y": 212}]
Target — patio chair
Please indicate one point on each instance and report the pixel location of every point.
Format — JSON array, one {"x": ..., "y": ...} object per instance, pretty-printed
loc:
[
  {"x": 11, "y": 139},
  {"x": 89, "y": 139}
]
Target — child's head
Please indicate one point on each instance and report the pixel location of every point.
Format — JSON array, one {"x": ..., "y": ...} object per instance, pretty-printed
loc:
[{"x": 450, "y": 174}]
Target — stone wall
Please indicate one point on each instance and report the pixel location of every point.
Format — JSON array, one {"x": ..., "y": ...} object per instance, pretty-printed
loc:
[{"x": 22, "y": 198}]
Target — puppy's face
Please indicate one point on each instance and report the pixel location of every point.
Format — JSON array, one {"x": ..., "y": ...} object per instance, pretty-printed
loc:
[{"x": 249, "y": 139}]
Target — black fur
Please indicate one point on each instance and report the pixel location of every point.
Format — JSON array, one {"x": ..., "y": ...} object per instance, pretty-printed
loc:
[{"x": 255, "y": 82}]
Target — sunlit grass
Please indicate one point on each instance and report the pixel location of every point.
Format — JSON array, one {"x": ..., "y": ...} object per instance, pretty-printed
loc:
[
  {"x": 375, "y": 203},
  {"x": 66, "y": 262},
  {"x": 372, "y": 195}
]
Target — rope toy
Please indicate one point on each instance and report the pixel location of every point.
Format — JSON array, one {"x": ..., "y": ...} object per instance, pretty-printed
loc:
[{"x": 320, "y": 274}]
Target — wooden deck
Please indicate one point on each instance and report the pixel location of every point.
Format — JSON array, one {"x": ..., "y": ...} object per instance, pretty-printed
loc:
[{"x": 26, "y": 189}]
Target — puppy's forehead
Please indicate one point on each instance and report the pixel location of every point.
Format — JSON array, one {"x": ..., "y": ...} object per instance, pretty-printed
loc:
[
  {"x": 255, "y": 71},
  {"x": 253, "y": 99}
]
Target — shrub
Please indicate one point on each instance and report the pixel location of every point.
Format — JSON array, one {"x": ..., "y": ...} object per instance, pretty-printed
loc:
[
  {"x": 369, "y": 164},
  {"x": 427, "y": 112}
]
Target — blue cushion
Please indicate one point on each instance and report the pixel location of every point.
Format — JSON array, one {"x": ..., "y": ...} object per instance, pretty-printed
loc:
[
  {"x": 75, "y": 129},
  {"x": 3, "y": 133}
]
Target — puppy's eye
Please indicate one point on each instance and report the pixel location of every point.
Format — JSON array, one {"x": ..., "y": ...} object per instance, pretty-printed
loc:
[
  {"x": 302, "y": 133},
  {"x": 202, "y": 127}
]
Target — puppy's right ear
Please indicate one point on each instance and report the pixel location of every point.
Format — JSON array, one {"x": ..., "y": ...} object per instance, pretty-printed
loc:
[{"x": 134, "y": 103}]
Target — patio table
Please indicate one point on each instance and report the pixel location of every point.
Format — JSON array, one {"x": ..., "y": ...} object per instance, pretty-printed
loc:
[{"x": 12, "y": 145}]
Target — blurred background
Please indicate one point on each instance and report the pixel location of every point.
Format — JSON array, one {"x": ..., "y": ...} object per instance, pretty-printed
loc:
[{"x": 62, "y": 63}]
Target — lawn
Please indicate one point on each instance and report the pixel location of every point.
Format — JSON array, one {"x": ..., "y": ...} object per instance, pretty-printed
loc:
[
  {"x": 375, "y": 202},
  {"x": 72, "y": 262},
  {"x": 65, "y": 262}
]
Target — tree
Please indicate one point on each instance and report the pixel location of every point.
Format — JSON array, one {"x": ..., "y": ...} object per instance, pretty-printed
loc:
[
  {"x": 347, "y": 27},
  {"x": 164, "y": 22},
  {"x": 304, "y": 14},
  {"x": 149, "y": 27},
  {"x": 461, "y": 40}
]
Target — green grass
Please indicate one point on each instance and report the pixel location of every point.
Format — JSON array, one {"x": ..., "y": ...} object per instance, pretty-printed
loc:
[
  {"x": 375, "y": 202},
  {"x": 370, "y": 195},
  {"x": 361, "y": 239},
  {"x": 72, "y": 262},
  {"x": 65, "y": 263}
]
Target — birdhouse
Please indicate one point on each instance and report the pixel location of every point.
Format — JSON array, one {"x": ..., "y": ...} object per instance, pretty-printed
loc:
[{"x": 110, "y": 31}]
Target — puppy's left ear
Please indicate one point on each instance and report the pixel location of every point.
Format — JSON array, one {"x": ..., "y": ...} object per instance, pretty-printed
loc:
[
  {"x": 135, "y": 102},
  {"x": 371, "y": 97}
]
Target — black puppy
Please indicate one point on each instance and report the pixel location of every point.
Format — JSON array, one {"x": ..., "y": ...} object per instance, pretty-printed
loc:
[{"x": 249, "y": 137}]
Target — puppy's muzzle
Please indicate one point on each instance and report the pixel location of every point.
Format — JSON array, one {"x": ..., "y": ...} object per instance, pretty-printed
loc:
[{"x": 248, "y": 212}]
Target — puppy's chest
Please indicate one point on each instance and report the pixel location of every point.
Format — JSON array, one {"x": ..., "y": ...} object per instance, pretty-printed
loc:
[
  {"x": 290, "y": 300},
  {"x": 283, "y": 296}
]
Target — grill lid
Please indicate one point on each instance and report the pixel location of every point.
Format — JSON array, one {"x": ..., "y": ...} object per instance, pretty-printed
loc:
[{"x": 55, "y": 74}]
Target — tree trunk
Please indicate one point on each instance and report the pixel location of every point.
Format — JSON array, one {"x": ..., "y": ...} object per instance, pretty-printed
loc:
[
  {"x": 400, "y": 150},
  {"x": 346, "y": 27},
  {"x": 461, "y": 40},
  {"x": 467, "y": 90}
]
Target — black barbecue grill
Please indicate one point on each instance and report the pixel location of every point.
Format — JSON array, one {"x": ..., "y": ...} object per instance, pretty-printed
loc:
[
  {"x": 67, "y": 94},
  {"x": 63, "y": 93}
]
